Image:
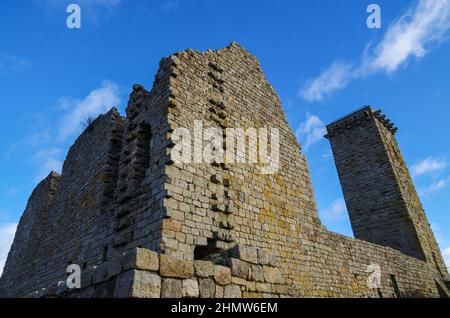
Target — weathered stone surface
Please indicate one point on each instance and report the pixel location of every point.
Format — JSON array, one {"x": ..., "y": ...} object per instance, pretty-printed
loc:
[
  {"x": 222, "y": 275},
  {"x": 232, "y": 291},
  {"x": 280, "y": 289},
  {"x": 273, "y": 260},
  {"x": 142, "y": 259},
  {"x": 263, "y": 287},
  {"x": 204, "y": 268},
  {"x": 245, "y": 253},
  {"x": 171, "y": 288},
  {"x": 174, "y": 267},
  {"x": 272, "y": 275},
  {"x": 263, "y": 256},
  {"x": 207, "y": 287},
  {"x": 138, "y": 284},
  {"x": 190, "y": 288},
  {"x": 251, "y": 295},
  {"x": 256, "y": 273},
  {"x": 239, "y": 268},
  {"x": 219, "y": 291}
]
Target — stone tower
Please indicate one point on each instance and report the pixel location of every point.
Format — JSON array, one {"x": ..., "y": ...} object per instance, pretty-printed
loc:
[{"x": 380, "y": 195}]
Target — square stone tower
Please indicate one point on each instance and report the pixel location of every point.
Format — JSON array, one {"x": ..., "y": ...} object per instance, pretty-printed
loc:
[{"x": 380, "y": 195}]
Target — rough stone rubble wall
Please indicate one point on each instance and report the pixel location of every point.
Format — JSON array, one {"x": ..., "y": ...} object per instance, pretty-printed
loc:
[
  {"x": 191, "y": 212},
  {"x": 76, "y": 224},
  {"x": 21, "y": 265},
  {"x": 140, "y": 273},
  {"x": 227, "y": 88}
]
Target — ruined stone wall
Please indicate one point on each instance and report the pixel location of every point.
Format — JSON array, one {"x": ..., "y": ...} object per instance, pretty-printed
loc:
[
  {"x": 213, "y": 206},
  {"x": 76, "y": 225},
  {"x": 120, "y": 190},
  {"x": 22, "y": 263},
  {"x": 141, "y": 273},
  {"x": 221, "y": 203}
]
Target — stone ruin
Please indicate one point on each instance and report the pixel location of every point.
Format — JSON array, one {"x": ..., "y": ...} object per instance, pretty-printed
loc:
[{"x": 141, "y": 225}]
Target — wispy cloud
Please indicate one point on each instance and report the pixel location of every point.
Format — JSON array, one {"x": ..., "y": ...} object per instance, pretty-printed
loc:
[
  {"x": 428, "y": 165},
  {"x": 10, "y": 63},
  {"x": 311, "y": 131},
  {"x": 446, "y": 255},
  {"x": 46, "y": 144},
  {"x": 434, "y": 187},
  {"x": 96, "y": 102},
  {"x": 412, "y": 35},
  {"x": 7, "y": 232},
  {"x": 47, "y": 159},
  {"x": 336, "y": 212},
  {"x": 335, "y": 77}
]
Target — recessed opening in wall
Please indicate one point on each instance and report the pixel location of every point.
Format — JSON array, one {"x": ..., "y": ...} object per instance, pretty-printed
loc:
[
  {"x": 143, "y": 150},
  {"x": 380, "y": 294},
  {"x": 211, "y": 253},
  {"x": 105, "y": 254},
  {"x": 441, "y": 291},
  {"x": 436, "y": 264},
  {"x": 394, "y": 282}
]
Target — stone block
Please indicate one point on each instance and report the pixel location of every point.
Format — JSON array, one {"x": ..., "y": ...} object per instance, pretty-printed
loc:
[
  {"x": 256, "y": 273},
  {"x": 251, "y": 295},
  {"x": 207, "y": 288},
  {"x": 138, "y": 284},
  {"x": 274, "y": 260},
  {"x": 113, "y": 267},
  {"x": 239, "y": 268},
  {"x": 219, "y": 291},
  {"x": 245, "y": 253},
  {"x": 280, "y": 289},
  {"x": 175, "y": 267},
  {"x": 171, "y": 288},
  {"x": 263, "y": 288},
  {"x": 232, "y": 291},
  {"x": 272, "y": 275},
  {"x": 222, "y": 275},
  {"x": 141, "y": 259},
  {"x": 203, "y": 268},
  {"x": 190, "y": 288},
  {"x": 100, "y": 273},
  {"x": 263, "y": 257}
]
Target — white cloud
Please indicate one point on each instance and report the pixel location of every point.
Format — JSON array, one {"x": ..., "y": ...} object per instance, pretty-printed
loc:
[
  {"x": 438, "y": 233},
  {"x": 48, "y": 159},
  {"x": 311, "y": 131},
  {"x": 433, "y": 188},
  {"x": 428, "y": 165},
  {"x": 337, "y": 211},
  {"x": 7, "y": 232},
  {"x": 412, "y": 35},
  {"x": 11, "y": 63},
  {"x": 446, "y": 255},
  {"x": 335, "y": 77},
  {"x": 98, "y": 101}
]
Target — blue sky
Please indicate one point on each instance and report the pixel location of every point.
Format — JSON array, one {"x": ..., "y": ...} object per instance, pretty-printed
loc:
[{"x": 319, "y": 55}]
